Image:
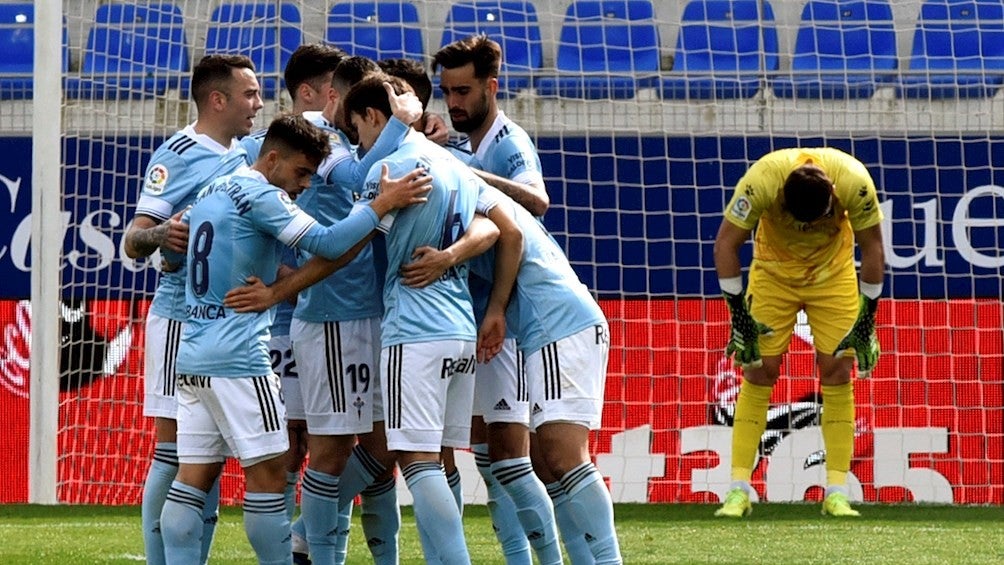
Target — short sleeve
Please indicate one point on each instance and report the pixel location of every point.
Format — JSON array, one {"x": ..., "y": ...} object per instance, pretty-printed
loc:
[{"x": 275, "y": 214}]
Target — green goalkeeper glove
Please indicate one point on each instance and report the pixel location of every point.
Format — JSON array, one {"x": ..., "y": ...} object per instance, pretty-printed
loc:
[
  {"x": 744, "y": 343},
  {"x": 862, "y": 338}
]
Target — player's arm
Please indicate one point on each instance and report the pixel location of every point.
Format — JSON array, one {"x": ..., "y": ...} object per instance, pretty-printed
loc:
[
  {"x": 146, "y": 235},
  {"x": 862, "y": 337},
  {"x": 327, "y": 246},
  {"x": 744, "y": 340},
  {"x": 405, "y": 109},
  {"x": 532, "y": 196},
  {"x": 256, "y": 296},
  {"x": 508, "y": 255},
  {"x": 429, "y": 264}
]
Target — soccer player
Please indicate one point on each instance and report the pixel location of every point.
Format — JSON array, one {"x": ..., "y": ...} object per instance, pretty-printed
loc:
[
  {"x": 428, "y": 335},
  {"x": 335, "y": 332},
  {"x": 229, "y": 401},
  {"x": 504, "y": 155},
  {"x": 227, "y": 98},
  {"x": 566, "y": 346},
  {"x": 809, "y": 207},
  {"x": 308, "y": 80}
]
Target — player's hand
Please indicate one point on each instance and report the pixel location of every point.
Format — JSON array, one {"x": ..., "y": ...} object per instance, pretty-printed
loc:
[
  {"x": 255, "y": 296},
  {"x": 428, "y": 265},
  {"x": 744, "y": 341},
  {"x": 412, "y": 188},
  {"x": 435, "y": 129},
  {"x": 405, "y": 107},
  {"x": 176, "y": 234},
  {"x": 491, "y": 336},
  {"x": 862, "y": 338}
]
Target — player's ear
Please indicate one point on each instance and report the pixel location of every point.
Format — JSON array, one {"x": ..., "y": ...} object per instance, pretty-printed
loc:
[{"x": 217, "y": 99}]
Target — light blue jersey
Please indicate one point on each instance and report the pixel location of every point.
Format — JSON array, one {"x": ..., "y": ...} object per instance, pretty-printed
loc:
[
  {"x": 237, "y": 228},
  {"x": 283, "y": 315},
  {"x": 178, "y": 169},
  {"x": 549, "y": 302},
  {"x": 508, "y": 152},
  {"x": 442, "y": 310}
]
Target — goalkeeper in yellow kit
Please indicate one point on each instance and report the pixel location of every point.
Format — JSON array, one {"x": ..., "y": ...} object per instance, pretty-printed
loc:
[{"x": 808, "y": 207}]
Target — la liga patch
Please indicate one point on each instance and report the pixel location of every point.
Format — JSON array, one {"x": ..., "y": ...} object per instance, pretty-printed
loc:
[
  {"x": 741, "y": 208},
  {"x": 156, "y": 179}
]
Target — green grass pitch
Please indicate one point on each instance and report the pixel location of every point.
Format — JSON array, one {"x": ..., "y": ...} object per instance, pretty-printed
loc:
[{"x": 649, "y": 534}]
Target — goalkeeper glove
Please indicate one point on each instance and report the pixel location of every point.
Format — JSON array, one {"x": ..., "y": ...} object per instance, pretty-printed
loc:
[
  {"x": 862, "y": 338},
  {"x": 744, "y": 342}
]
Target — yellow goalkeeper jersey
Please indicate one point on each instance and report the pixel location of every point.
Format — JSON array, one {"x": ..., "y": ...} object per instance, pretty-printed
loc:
[{"x": 804, "y": 253}]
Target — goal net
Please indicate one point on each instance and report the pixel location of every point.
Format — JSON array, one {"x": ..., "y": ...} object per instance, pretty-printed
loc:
[{"x": 645, "y": 114}]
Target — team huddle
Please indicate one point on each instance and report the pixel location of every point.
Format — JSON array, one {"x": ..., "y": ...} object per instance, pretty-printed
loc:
[{"x": 354, "y": 284}]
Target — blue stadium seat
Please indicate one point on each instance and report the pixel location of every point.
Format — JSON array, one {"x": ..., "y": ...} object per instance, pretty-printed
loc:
[
  {"x": 513, "y": 25},
  {"x": 607, "y": 49},
  {"x": 958, "y": 50},
  {"x": 723, "y": 50},
  {"x": 378, "y": 30},
  {"x": 844, "y": 49},
  {"x": 17, "y": 50},
  {"x": 133, "y": 51},
  {"x": 264, "y": 31}
]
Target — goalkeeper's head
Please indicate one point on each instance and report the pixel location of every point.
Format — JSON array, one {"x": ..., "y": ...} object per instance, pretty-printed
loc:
[{"x": 808, "y": 193}]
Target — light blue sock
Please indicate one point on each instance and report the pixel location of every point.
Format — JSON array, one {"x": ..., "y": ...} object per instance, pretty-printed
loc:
[
  {"x": 289, "y": 495},
  {"x": 436, "y": 510},
  {"x": 453, "y": 479},
  {"x": 515, "y": 547},
  {"x": 573, "y": 538},
  {"x": 210, "y": 516},
  {"x": 182, "y": 524},
  {"x": 532, "y": 506},
  {"x": 267, "y": 527},
  {"x": 342, "y": 537},
  {"x": 319, "y": 511},
  {"x": 381, "y": 518},
  {"x": 163, "y": 469},
  {"x": 426, "y": 541},
  {"x": 593, "y": 512},
  {"x": 361, "y": 470}
]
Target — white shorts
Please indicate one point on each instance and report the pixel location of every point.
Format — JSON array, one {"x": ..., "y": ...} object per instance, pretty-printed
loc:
[
  {"x": 567, "y": 378},
  {"x": 222, "y": 417},
  {"x": 338, "y": 367},
  {"x": 428, "y": 393},
  {"x": 280, "y": 349},
  {"x": 500, "y": 388},
  {"x": 163, "y": 336}
]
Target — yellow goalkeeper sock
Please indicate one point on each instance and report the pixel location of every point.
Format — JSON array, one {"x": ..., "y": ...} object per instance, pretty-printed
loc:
[
  {"x": 838, "y": 431},
  {"x": 750, "y": 422}
]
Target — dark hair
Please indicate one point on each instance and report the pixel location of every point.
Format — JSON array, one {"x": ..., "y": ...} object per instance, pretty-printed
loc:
[
  {"x": 352, "y": 70},
  {"x": 478, "y": 49},
  {"x": 807, "y": 193},
  {"x": 291, "y": 133},
  {"x": 413, "y": 73},
  {"x": 370, "y": 93},
  {"x": 213, "y": 72},
  {"x": 309, "y": 63}
]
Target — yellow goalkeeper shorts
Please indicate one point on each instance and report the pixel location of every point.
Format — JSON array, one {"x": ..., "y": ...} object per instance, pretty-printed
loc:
[{"x": 831, "y": 306}]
